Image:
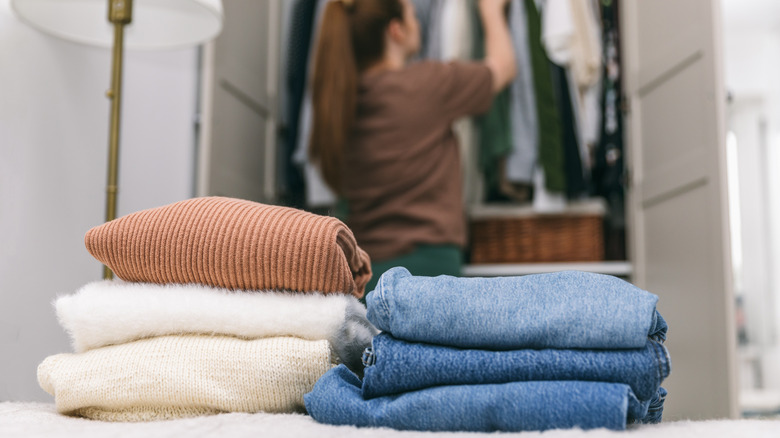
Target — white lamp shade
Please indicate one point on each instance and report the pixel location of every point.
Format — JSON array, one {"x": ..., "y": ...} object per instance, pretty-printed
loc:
[{"x": 157, "y": 24}]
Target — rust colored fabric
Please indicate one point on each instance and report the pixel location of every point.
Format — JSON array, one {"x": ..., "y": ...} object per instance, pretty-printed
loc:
[{"x": 235, "y": 244}]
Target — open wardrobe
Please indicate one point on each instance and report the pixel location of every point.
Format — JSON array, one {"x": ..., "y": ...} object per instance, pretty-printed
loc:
[{"x": 605, "y": 154}]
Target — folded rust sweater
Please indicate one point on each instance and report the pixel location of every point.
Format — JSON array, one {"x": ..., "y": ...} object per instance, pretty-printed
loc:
[{"x": 234, "y": 244}]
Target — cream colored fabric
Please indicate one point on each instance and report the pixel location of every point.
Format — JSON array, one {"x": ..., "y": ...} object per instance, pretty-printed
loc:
[
  {"x": 114, "y": 312},
  {"x": 183, "y": 376},
  {"x": 586, "y": 65},
  {"x": 571, "y": 38},
  {"x": 40, "y": 420}
]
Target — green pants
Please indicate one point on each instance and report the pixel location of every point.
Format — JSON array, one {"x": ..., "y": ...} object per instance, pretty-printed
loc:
[{"x": 426, "y": 260}]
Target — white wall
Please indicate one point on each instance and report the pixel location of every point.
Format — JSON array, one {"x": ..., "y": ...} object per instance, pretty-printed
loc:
[
  {"x": 751, "y": 45},
  {"x": 53, "y": 153}
]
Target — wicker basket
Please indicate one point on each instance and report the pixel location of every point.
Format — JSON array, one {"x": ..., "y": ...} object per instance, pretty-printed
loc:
[{"x": 505, "y": 234}]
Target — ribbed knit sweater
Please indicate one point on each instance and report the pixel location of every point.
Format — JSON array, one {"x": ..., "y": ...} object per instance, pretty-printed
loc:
[
  {"x": 182, "y": 376},
  {"x": 235, "y": 244}
]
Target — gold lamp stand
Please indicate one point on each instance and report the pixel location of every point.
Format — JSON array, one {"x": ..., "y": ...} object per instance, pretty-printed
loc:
[
  {"x": 120, "y": 13},
  {"x": 165, "y": 24}
]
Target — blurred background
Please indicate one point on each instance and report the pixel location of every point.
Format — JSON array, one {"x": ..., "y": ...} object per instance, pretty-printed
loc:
[{"x": 676, "y": 150}]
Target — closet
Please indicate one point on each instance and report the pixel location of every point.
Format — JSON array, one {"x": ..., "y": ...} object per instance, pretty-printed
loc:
[{"x": 676, "y": 202}]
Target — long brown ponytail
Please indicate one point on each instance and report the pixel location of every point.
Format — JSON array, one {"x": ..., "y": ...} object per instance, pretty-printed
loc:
[{"x": 351, "y": 39}]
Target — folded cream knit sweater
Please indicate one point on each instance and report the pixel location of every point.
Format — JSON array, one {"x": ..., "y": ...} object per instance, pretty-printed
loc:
[{"x": 182, "y": 376}]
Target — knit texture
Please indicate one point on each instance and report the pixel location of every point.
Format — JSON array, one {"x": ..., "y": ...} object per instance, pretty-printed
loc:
[
  {"x": 114, "y": 312},
  {"x": 182, "y": 376},
  {"x": 235, "y": 244}
]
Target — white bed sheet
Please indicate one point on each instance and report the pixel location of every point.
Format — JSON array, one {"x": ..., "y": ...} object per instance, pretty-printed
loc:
[{"x": 33, "y": 420}]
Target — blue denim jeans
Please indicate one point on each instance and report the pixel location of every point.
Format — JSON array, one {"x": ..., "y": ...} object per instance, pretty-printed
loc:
[
  {"x": 517, "y": 406},
  {"x": 396, "y": 366},
  {"x": 568, "y": 309}
]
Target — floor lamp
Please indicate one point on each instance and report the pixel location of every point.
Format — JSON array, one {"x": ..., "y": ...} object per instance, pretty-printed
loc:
[{"x": 158, "y": 24}]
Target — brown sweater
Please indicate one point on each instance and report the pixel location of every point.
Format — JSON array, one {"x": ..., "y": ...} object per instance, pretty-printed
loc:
[
  {"x": 234, "y": 244},
  {"x": 404, "y": 183}
]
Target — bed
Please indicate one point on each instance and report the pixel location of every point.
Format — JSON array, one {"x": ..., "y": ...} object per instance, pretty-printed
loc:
[{"x": 33, "y": 420}]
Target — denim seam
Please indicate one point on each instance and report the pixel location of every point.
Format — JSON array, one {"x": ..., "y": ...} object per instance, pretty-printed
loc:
[
  {"x": 656, "y": 336},
  {"x": 653, "y": 323},
  {"x": 658, "y": 361},
  {"x": 651, "y": 326},
  {"x": 658, "y": 406},
  {"x": 667, "y": 359},
  {"x": 381, "y": 290}
]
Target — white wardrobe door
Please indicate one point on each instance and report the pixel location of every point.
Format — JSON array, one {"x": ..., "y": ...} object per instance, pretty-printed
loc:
[
  {"x": 240, "y": 103},
  {"x": 680, "y": 243}
]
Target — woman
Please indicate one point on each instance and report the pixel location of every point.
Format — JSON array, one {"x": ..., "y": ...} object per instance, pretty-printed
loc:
[{"x": 382, "y": 129}]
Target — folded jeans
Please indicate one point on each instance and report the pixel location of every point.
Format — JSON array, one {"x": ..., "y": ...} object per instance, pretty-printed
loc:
[
  {"x": 512, "y": 407},
  {"x": 398, "y": 366},
  {"x": 569, "y": 309}
]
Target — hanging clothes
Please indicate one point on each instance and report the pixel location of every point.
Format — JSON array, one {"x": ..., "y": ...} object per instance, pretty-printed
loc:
[
  {"x": 576, "y": 186},
  {"x": 559, "y": 40},
  {"x": 429, "y": 15},
  {"x": 524, "y": 120},
  {"x": 557, "y": 30},
  {"x": 588, "y": 72},
  {"x": 529, "y": 124},
  {"x": 458, "y": 43},
  {"x": 590, "y": 122},
  {"x": 299, "y": 43},
  {"x": 609, "y": 177},
  {"x": 447, "y": 34},
  {"x": 570, "y": 32},
  {"x": 457, "y": 33},
  {"x": 318, "y": 194},
  {"x": 544, "y": 200},
  {"x": 550, "y": 144},
  {"x": 494, "y": 127},
  {"x": 423, "y": 9},
  {"x": 570, "y": 36},
  {"x": 433, "y": 49}
]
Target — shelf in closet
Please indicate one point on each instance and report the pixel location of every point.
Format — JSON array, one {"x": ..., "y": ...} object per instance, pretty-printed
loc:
[
  {"x": 617, "y": 268},
  {"x": 587, "y": 207}
]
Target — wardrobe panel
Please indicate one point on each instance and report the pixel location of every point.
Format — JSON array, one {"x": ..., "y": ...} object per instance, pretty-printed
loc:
[
  {"x": 679, "y": 202},
  {"x": 237, "y": 162},
  {"x": 682, "y": 276},
  {"x": 666, "y": 134},
  {"x": 241, "y": 58},
  {"x": 674, "y": 148},
  {"x": 239, "y": 89},
  {"x": 673, "y": 20}
]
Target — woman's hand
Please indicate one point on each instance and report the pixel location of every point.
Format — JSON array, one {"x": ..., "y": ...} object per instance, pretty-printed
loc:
[
  {"x": 494, "y": 3},
  {"x": 499, "y": 53}
]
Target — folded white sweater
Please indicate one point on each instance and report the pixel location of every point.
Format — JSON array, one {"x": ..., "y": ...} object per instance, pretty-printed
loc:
[
  {"x": 182, "y": 376},
  {"x": 113, "y": 312}
]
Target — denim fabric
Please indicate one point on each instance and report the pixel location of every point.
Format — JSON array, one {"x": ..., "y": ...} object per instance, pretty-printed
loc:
[
  {"x": 568, "y": 309},
  {"x": 518, "y": 406},
  {"x": 655, "y": 409},
  {"x": 400, "y": 366}
]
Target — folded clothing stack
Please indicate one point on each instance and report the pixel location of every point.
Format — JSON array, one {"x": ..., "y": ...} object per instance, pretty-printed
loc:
[
  {"x": 548, "y": 351},
  {"x": 223, "y": 305}
]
